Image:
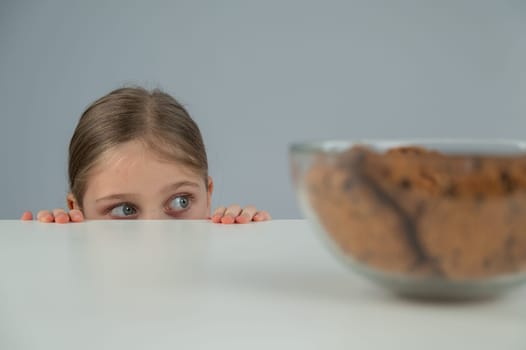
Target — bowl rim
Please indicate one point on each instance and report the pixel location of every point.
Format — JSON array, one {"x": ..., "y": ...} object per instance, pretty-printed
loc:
[{"x": 337, "y": 145}]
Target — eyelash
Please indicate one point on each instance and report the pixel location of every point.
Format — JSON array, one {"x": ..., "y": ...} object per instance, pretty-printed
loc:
[
  {"x": 108, "y": 210},
  {"x": 177, "y": 212}
]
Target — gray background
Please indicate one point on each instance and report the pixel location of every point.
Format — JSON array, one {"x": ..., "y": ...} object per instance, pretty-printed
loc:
[{"x": 256, "y": 75}]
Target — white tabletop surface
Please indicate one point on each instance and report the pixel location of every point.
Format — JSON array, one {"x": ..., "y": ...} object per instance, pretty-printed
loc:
[{"x": 198, "y": 285}]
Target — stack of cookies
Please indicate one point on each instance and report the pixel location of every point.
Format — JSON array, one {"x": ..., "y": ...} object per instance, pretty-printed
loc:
[{"x": 423, "y": 213}]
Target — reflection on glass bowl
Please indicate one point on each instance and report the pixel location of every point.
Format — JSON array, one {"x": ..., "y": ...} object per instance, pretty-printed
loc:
[{"x": 425, "y": 218}]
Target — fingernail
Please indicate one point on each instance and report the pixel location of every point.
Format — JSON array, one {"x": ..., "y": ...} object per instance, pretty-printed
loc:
[
  {"x": 241, "y": 218},
  {"x": 227, "y": 219}
]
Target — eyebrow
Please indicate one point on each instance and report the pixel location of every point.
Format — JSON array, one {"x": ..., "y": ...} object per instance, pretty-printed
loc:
[
  {"x": 172, "y": 187},
  {"x": 175, "y": 186}
]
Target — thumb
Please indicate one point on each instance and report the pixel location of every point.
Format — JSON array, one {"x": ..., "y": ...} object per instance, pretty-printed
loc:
[{"x": 27, "y": 216}]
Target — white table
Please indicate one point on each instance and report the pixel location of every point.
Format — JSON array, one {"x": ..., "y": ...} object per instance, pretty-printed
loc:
[{"x": 198, "y": 285}]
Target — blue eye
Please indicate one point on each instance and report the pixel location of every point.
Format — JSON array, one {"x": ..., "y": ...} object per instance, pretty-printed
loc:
[
  {"x": 180, "y": 203},
  {"x": 123, "y": 210}
]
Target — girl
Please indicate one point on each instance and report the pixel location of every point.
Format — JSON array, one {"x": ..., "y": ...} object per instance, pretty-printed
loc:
[{"x": 137, "y": 154}]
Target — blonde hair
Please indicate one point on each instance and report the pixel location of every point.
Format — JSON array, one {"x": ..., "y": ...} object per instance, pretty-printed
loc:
[{"x": 134, "y": 113}]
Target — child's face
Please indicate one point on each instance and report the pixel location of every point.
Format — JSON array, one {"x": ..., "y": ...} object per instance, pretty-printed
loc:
[{"x": 132, "y": 183}]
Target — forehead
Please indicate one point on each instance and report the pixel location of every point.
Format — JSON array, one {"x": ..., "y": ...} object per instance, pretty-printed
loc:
[{"x": 132, "y": 167}]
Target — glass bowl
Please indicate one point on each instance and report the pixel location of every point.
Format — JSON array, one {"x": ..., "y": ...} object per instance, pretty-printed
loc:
[{"x": 424, "y": 218}]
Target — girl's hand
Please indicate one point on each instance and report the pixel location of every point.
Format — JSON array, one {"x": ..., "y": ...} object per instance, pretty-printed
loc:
[
  {"x": 58, "y": 215},
  {"x": 234, "y": 214}
]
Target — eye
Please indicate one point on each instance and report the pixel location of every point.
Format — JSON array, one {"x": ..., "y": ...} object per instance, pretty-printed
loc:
[
  {"x": 180, "y": 203},
  {"x": 123, "y": 210}
]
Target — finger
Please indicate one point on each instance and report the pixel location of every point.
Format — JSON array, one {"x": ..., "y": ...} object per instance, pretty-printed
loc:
[
  {"x": 233, "y": 210},
  {"x": 61, "y": 217},
  {"x": 76, "y": 215},
  {"x": 45, "y": 216},
  {"x": 262, "y": 215},
  {"x": 27, "y": 216},
  {"x": 246, "y": 214},
  {"x": 218, "y": 214},
  {"x": 230, "y": 214}
]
